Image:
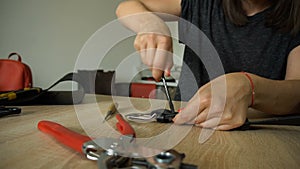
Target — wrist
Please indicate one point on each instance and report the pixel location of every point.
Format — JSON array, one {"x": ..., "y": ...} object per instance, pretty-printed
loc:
[
  {"x": 156, "y": 27},
  {"x": 150, "y": 22},
  {"x": 251, "y": 87}
]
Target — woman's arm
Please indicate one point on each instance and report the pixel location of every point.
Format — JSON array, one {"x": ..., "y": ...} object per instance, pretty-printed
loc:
[
  {"x": 293, "y": 65},
  {"x": 153, "y": 39},
  {"x": 279, "y": 97},
  {"x": 130, "y": 7}
]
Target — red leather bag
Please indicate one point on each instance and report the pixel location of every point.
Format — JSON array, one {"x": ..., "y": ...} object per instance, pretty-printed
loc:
[{"x": 14, "y": 75}]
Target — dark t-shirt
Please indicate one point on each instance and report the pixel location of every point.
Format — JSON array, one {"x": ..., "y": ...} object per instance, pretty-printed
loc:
[{"x": 253, "y": 48}]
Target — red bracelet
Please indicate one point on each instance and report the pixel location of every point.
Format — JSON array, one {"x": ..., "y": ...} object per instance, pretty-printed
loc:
[{"x": 252, "y": 87}]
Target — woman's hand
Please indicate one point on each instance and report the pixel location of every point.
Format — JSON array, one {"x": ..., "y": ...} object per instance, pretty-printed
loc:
[
  {"x": 156, "y": 52},
  {"x": 221, "y": 104},
  {"x": 153, "y": 41}
]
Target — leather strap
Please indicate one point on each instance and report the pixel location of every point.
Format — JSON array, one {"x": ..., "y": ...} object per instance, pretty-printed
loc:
[
  {"x": 47, "y": 97},
  {"x": 63, "y": 97},
  {"x": 68, "y": 77}
]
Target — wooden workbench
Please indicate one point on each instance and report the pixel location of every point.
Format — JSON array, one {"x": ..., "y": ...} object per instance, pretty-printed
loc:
[{"x": 22, "y": 145}]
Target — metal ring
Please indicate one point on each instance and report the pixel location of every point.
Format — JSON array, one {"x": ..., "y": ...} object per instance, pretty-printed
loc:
[{"x": 164, "y": 158}]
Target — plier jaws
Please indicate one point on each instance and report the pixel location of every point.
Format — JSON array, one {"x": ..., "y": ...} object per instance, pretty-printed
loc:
[{"x": 92, "y": 150}]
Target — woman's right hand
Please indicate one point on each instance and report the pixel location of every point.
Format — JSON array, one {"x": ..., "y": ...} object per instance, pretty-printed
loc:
[
  {"x": 153, "y": 40},
  {"x": 156, "y": 52}
]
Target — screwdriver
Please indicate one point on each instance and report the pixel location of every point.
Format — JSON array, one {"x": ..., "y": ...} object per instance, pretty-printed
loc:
[
  {"x": 19, "y": 96},
  {"x": 111, "y": 110},
  {"x": 168, "y": 94}
]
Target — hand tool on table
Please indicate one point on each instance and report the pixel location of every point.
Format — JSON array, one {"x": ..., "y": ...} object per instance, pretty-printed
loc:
[
  {"x": 19, "y": 95},
  {"x": 159, "y": 115},
  {"x": 111, "y": 111},
  {"x": 6, "y": 111},
  {"x": 112, "y": 158},
  {"x": 89, "y": 146}
]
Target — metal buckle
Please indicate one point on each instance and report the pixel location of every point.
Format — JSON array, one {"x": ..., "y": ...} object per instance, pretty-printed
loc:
[{"x": 159, "y": 115}]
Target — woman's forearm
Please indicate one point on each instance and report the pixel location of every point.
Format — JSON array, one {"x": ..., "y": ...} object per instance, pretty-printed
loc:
[
  {"x": 276, "y": 96},
  {"x": 139, "y": 18}
]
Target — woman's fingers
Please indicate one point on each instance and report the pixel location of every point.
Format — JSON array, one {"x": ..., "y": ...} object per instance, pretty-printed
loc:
[
  {"x": 146, "y": 49},
  {"x": 201, "y": 117},
  {"x": 156, "y": 53},
  {"x": 211, "y": 123},
  {"x": 194, "y": 107},
  {"x": 225, "y": 127},
  {"x": 163, "y": 61}
]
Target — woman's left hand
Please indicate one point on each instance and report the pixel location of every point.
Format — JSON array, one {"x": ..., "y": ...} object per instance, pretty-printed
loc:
[{"x": 221, "y": 104}]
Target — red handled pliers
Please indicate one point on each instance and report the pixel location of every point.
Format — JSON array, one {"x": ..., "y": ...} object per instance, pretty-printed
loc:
[{"x": 85, "y": 144}]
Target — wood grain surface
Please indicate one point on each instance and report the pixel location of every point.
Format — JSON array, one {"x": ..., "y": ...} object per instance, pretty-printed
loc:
[{"x": 22, "y": 145}]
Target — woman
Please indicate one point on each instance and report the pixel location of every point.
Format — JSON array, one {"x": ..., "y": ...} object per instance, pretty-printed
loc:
[{"x": 260, "y": 37}]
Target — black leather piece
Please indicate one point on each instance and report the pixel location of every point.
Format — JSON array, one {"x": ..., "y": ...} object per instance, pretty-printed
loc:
[{"x": 37, "y": 96}]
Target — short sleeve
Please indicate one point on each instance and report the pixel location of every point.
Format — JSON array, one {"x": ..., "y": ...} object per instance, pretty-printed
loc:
[
  {"x": 187, "y": 15},
  {"x": 294, "y": 42},
  {"x": 196, "y": 12}
]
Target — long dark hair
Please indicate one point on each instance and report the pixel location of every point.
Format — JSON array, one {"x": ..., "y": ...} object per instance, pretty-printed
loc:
[{"x": 283, "y": 16}]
